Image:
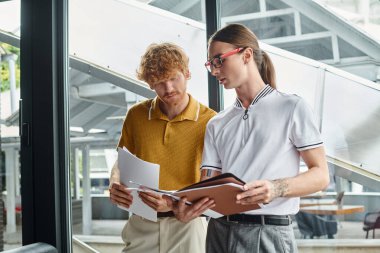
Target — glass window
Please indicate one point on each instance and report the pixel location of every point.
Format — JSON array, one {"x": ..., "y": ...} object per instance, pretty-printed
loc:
[
  {"x": 188, "y": 9},
  {"x": 272, "y": 27},
  {"x": 317, "y": 49},
  {"x": 309, "y": 26},
  {"x": 275, "y": 5},
  {"x": 231, "y": 8},
  {"x": 10, "y": 202},
  {"x": 346, "y": 50},
  {"x": 105, "y": 51}
]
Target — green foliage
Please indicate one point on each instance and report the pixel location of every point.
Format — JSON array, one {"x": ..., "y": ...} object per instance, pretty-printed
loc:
[{"x": 4, "y": 68}]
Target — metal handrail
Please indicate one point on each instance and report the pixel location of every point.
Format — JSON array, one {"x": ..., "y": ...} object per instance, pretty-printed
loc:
[
  {"x": 84, "y": 245},
  {"x": 38, "y": 247}
]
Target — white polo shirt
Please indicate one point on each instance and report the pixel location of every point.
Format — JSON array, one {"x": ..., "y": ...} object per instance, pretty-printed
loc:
[{"x": 262, "y": 142}]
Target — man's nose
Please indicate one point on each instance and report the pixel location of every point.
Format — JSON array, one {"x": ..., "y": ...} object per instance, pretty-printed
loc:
[
  {"x": 168, "y": 86},
  {"x": 214, "y": 71}
]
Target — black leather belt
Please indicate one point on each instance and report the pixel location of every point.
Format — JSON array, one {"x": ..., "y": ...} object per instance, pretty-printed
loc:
[
  {"x": 165, "y": 214},
  {"x": 278, "y": 220}
]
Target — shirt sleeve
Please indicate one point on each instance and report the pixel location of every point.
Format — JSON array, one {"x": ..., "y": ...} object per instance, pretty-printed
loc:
[
  {"x": 304, "y": 132},
  {"x": 126, "y": 140},
  {"x": 210, "y": 158},
  {"x": 126, "y": 137}
]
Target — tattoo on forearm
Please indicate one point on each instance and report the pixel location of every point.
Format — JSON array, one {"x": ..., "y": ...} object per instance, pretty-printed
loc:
[{"x": 281, "y": 187}]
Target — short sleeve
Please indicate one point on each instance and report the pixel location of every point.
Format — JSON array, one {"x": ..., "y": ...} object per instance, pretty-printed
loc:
[
  {"x": 210, "y": 158},
  {"x": 304, "y": 132},
  {"x": 126, "y": 137}
]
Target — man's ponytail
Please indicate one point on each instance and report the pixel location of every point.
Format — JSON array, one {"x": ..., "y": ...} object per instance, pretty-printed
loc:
[{"x": 267, "y": 71}]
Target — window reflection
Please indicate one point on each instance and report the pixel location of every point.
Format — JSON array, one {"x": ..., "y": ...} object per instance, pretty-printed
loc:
[{"x": 10, "y": 202}]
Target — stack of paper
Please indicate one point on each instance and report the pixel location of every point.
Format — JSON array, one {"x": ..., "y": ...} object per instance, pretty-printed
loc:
[{"x": 134, "y": 170}]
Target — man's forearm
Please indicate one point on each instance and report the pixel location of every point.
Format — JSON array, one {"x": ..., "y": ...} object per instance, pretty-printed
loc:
[
  {"x": 209, "y": 173},
  {"x": 115, "y": 174},
  {"x": 305, "y": 183}
]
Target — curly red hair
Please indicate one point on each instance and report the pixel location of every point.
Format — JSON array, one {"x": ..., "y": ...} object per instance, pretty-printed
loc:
[{"x": 161, "y": 61}]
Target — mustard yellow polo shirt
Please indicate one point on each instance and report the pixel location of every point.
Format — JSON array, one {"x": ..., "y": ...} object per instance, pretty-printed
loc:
[{"x": 176, "y": 145}]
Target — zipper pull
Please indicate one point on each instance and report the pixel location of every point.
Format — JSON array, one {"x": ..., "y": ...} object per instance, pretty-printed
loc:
[{"x": 245, "y": 114}]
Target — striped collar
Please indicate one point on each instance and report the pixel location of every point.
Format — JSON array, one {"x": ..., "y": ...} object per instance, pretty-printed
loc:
[
  {"x": 191, "y": 111},
  {"x": 265, "y": 91}
]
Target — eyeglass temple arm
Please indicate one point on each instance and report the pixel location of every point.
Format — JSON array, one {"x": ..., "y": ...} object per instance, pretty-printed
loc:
[{"x": 237, "y": 50}]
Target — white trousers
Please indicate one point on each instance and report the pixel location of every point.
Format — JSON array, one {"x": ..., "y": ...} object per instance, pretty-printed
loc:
[{"x": 168, "y": 235}]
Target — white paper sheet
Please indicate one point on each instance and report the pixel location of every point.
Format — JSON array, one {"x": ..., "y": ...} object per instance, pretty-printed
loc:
[
  {"x": 212, "y": 214},
  {"x": 134, "y": 169}
]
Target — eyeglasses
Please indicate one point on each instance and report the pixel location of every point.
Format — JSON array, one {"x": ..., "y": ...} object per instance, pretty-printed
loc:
[{"x": 218, "y": 60}]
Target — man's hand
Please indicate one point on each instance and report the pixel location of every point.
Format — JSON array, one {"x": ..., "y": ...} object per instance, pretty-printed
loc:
[
  {"x": 262, "y": 191},
  {"x": 120, "y": 195},
  {"x": 154, "y": 201},
  {"x": 184, "y": 212}
]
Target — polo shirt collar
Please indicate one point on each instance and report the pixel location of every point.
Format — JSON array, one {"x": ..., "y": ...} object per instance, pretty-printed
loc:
[
  {"x": 191, "y": 111},
  {"x": 265, "y": 91}
]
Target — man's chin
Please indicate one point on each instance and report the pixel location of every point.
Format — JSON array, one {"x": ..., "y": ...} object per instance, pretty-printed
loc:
[{"x": 170, "y": 101}]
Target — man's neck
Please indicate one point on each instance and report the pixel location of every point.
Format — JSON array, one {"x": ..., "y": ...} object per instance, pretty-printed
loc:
[
  {"x": 246, "y": 93},
  {"x": 175, "y": 109}
]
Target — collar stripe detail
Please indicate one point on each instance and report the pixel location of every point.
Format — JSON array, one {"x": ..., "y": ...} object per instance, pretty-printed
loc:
[
  {"x": 267, "y": 90},
  {"x": 315, "y": 144},
  {"x": 197, "y": 114},
  {"x": 237, "y": 103},
  {"x": 150, "y": 111}
]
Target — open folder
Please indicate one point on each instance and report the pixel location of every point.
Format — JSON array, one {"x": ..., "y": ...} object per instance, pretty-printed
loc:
[{"x": 222, "y": 189}]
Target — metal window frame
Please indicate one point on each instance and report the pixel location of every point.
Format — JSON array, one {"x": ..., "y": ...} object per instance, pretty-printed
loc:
[
  {"x": 215, "y": 90},
  {"x": 44, "y": 119},
  {"x": 44, "y": 124}
]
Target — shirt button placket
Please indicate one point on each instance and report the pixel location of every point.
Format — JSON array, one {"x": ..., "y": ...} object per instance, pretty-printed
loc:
[{"x": 167, "y": 132}]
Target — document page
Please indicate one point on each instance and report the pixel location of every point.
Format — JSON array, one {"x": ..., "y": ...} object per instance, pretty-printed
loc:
[{"x": 134, "y": 171}]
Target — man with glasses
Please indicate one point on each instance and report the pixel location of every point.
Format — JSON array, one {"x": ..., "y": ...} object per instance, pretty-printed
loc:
[
  {"x": 260, "y": 139},
  {"x": 167, "y": 130}
]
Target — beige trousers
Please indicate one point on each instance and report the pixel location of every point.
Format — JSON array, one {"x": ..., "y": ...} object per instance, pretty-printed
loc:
[{"x": 168, "y": 235}]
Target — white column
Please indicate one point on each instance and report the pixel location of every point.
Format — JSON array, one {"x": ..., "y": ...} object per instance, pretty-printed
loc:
[
  {"x": 86, "y": 204},
  {"x": 263, "y": 6},
  {"x": 364, "y": 6},
  {"x": 76, "y": 173},
  {"x": 10, "y": 187},
  {"x": 17, "y": 172},
  {"x": 297, "y": 23},
  {"x": 12, "y": 80},
  {"x": 203, "y": 11}
]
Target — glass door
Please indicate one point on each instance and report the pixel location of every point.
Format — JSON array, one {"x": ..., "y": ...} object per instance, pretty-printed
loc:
[{"x": 10, "y": 201}]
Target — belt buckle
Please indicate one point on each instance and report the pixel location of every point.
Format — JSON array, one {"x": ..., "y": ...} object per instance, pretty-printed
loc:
[{"x": 228, "y": 219}]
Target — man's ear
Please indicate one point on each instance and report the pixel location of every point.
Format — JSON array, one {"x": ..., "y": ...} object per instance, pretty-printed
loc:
[
  {"x": 247, "y": 55},
  {"x": 188, "y": 75}
]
